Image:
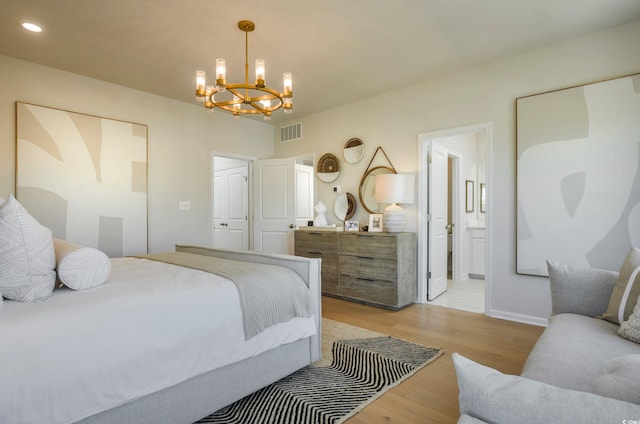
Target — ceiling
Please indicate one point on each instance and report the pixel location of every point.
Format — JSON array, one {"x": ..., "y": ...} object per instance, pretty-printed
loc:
[{"x": 339, "y": 51}]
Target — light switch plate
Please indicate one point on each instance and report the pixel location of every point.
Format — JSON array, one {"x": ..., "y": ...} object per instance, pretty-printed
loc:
[{"x": 184, "y": 205}]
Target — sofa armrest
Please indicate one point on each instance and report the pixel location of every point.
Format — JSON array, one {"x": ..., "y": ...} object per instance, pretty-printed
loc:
[
  {"x": 488, "y": 395},
  {"x": 584, "y": 291}
]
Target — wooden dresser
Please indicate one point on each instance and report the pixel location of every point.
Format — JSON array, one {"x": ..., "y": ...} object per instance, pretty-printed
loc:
[{"x": 374, "y": 268}]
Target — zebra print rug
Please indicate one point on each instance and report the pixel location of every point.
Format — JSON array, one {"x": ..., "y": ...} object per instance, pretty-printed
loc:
[{"x": 361, "y": 370}]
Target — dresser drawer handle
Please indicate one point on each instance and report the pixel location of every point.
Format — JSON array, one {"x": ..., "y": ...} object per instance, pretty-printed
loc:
[{"x": 365, "y": 279}]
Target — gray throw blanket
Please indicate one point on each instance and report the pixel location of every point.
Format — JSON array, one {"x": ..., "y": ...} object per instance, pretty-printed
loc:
[{"x": 269, "y": 294}]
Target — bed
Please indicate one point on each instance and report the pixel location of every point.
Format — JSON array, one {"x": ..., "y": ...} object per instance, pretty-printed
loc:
[{"x": 141, "y": 348}]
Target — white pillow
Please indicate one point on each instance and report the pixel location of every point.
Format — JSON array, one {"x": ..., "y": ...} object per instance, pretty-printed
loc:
[
  {"x": 27, "y": 260},
  {"x": 619, "y": 378},
  {"x": 630, "y": 329},
  {"x": 80, "y": 267}
]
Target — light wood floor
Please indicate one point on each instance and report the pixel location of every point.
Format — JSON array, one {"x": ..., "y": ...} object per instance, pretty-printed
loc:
[
  {"x": 465, "y": 295},
  {"x": 431, "y": 395}
]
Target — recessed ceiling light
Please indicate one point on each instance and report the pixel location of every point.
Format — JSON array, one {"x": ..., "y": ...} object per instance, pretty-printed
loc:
[{"x": 31, "y": 26}]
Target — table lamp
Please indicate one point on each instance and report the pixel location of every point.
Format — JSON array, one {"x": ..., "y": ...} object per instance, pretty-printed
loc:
[{"x": 394, "y": 189}]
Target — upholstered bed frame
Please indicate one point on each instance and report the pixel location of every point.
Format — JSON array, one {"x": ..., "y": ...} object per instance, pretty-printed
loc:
[{"x": 197, "y": 397}]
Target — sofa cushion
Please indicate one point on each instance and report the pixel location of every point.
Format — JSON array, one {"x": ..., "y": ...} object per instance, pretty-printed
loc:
[
  {"x": 80, "y": 267},
  {"x": 572, "y": 350},
  {"x": 619, "y": 378},
  {"x": 576, "y": 290},
  {"x": 491, "y": 396},
  {"x": 27, "y": 259},
  {"x": 627, "y": 289},
  {"x": 466, "y": 419}
]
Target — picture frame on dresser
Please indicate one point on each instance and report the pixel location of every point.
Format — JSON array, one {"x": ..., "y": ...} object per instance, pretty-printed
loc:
[
  {"x": 351, "y": 226},
  {"x": 375, "y": 223}
]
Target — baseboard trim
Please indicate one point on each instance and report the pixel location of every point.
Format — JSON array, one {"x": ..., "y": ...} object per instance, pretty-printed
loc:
[{"x": 525, "y": 319}]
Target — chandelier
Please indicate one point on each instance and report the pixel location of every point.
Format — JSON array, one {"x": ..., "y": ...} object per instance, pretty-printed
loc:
[{"x": 244, "y": 98}]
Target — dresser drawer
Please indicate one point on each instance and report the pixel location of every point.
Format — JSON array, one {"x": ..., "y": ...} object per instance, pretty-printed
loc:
[
  {"x": 316, "y": 242},
  {"x": 372, "y": 247},
  {"x": 328, "y": 270},
  {"x": 372, "y": 268},
  {"x": 376, "y": 291}
]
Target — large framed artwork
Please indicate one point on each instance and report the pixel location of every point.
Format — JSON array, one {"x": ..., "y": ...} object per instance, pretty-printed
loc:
[
  {"x": 578, "y": 187},
  {"x": 84, "y": 176}
]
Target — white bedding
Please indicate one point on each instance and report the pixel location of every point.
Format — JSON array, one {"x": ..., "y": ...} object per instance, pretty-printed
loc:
[{"x": 150, "y": 326}]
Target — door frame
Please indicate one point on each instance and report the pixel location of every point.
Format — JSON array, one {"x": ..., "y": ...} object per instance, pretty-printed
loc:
[
  {"x": 249, "y": 160},
  {"x": 423, "y": 239},
  {"x": 455, "y": 214}
]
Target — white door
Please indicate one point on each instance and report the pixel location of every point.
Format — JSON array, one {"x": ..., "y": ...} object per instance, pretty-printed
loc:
[
  {"x": 231, "y": 207},
  {"x": 304, "y": 194},
  {"x": 437, "y": 225},
  {"x": 274, "y": 199}
]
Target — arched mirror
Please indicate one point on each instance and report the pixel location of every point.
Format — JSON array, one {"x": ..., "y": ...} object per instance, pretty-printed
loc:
[
  {"x": 353, "y": 150},
  {"x": 367, "y": 187}
]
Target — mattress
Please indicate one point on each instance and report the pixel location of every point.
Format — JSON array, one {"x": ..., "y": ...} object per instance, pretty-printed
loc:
[{"x": 149, "y": 327}]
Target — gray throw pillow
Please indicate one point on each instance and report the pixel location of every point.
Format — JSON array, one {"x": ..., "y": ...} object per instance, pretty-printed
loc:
[{"x": 578, "y": 290}]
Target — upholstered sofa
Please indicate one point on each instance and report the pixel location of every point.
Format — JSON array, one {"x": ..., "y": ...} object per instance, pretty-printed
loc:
[{"x": 583, "y": 369}]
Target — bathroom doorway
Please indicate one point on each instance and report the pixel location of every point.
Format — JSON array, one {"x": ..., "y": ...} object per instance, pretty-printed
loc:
[{"x": 467, "y": 218}]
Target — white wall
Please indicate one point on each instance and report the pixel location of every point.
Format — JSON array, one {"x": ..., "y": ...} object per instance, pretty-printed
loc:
[
  {"x": 181, "y": 138},
  {"x": 482, "y": 94}
]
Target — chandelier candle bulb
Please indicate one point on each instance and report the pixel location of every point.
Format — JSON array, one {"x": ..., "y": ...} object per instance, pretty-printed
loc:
[
  {"x": 221, "y": 69},
  {"x": 208, "y": 98},
  {"x": 287, "y": 80},
  {"x": 200, "y": 84},
  {"x": 260, "y": 72}
]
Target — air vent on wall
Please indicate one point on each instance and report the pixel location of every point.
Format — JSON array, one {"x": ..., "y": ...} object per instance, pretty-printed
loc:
[{"x": 291, "y": 132}]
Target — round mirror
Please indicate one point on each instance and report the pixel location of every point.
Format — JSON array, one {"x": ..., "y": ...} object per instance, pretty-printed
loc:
[
  {"x": 367, "y": 188},
  {"x": 353, "y": 150}
]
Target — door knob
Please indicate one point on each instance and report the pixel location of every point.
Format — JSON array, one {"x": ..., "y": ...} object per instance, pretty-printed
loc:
[{"x": 290, "y": 225}]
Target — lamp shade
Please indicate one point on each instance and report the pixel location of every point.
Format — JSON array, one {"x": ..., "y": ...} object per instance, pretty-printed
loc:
[{"x": 394, "y": 188}]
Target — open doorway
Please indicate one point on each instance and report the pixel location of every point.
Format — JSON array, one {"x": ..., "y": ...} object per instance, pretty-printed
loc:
[{"x": 461, "y": 182}]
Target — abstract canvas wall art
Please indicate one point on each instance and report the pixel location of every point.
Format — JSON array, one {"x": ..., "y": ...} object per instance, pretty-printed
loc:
[
  {"x": 578, "y": 175},
  {"x": 84, "y": 176}
]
